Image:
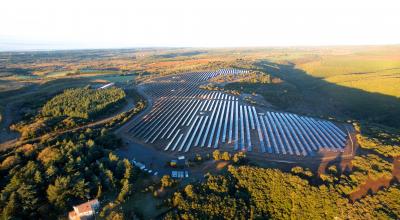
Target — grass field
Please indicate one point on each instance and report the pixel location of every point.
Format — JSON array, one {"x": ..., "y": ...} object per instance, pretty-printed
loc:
[
  {"x": 318, "y": 96},
  {"x": 114, "y": 78},
  {"x": 58, "y": 74},
  {"x": 379, "y": 74}
]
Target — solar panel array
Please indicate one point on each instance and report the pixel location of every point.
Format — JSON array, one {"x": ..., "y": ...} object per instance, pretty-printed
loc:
[{"x": 184, "y": 117}]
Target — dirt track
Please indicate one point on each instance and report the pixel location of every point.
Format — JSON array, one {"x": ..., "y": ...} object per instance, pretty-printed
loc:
[{"x": 12, "y": 142}]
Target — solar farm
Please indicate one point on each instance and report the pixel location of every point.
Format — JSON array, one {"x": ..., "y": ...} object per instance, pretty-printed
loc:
[{"x": 187, "y": 119}]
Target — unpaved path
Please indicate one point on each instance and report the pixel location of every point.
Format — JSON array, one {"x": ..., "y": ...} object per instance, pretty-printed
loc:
[{"x": 11, "y": 143}]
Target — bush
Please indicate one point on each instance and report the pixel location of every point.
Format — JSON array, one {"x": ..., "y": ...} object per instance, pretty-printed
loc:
[{"x": 166, "y": 181}]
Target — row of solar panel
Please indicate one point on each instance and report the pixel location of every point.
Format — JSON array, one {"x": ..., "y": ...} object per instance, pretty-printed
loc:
[{"x": 211, "y": 121}]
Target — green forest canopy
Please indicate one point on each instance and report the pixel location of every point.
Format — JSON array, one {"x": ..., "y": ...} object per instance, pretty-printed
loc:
[
  {"x": 256, "y": 193},
  {"x": 83, "y": 102}
]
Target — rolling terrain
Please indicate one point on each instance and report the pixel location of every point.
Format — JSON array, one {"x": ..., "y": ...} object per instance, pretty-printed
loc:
[{"x": 304, "y": 133}]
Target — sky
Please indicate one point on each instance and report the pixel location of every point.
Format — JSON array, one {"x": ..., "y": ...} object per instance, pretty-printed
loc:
[{"x": 72, "y": 24}]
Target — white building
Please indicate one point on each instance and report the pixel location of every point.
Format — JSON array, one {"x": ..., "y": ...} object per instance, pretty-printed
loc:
[
  {"x": 106, "y": 86},
  {"x": 84, "y": 211}
]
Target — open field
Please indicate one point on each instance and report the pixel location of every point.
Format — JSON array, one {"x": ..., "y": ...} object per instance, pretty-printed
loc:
[
  {"x": 370, "y": 73},
  {"x": 319, "y": 97}
]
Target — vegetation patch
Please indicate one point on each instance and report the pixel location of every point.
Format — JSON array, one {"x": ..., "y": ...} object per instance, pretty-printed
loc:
[
  {"x": 257, "y": 193},
  {"x": 250, "y": 77},
  {"x": 83, "y": 102},
  {"x": 45, "y": 178},
  {"x": 281, "y": 95},
  {"x": 382, "y": 140},
  {"x": 210, "y": 87}
]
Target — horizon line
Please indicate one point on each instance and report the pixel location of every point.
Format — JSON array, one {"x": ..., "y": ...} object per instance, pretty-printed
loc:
[{"x": 194, "y": 47}]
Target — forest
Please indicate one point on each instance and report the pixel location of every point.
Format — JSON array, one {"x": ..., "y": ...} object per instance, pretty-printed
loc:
[
  {"x": 83, "y": 102},
  {"x": 43, "y": 179},
  {"x": 247, "y": 192},
  {"x": 72, "y": 108}
]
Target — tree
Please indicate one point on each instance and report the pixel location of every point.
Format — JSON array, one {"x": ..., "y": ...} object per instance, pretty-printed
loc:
[
  {"x": 125, "y": 190},
  {"x": 226, "y": 156},
  {"x": 297, "y": 170},
  {"x": 49, "y": 155},
  {"x": 333, "y": 169},
  {"x": 112, "y": 157},
  {"x": 198, "y": 157},
  {"x": 114, "y": 215},
  {"x": 177, "y": 199},
  {"x": 11, "y": 209},
  {"x": 128, "y": 169},
  {"x": 90, "y": 143},
  {"x": 59, "y": 192},
  {"x": 51, "y": 171},
  {"x": 216, "y": 155},
  {"x": 238, "y": 157},
  {"x": 9, "y": 162},
  {"x": 166, "y": 181},
  {"x": 103, "y": 132},
  {"x": 99, "y": 191},
  {"x": 82, "y": 136},
  {"x": 189, "y": 190},
  {"x": 80, "y": 189},
  {"x": 38, "y": 178},
  {"x": 28, "y": 197}
]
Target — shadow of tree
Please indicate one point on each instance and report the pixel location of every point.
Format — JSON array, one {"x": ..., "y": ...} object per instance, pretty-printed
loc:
[{"x": 322, "y": 98}]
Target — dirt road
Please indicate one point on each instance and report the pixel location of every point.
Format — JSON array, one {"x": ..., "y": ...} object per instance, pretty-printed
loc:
[{"x": 11, "y": 143}]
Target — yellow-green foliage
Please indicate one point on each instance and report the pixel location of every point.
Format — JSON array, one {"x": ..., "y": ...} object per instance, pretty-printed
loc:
[
  {"x": 31, "y": 130},
  {"x": 384, "y": 205},
  {"x": 9, "y": 162},
  {"x": 371, "y": 166},
  {"x": 82, "y": 102},
  {"x": 365, "y": 167},
  {"x": 256, "y": 193},
  {"x": 381, "y": 140},
  {"x": 374, "y": 144},
  {"x": 251, "y": 77},
  {"x": 49, "y": 155},
  {"x": 60, "y": 173},
  {"x": 210, "y": 87},
  {"x": 285, "y": 196}
]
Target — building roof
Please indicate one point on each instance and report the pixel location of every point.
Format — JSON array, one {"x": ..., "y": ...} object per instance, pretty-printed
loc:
[
  {"x": 106, "y": 85},
  {"x": 87, "y": 206},
  {"x": 73, "y": 215}
]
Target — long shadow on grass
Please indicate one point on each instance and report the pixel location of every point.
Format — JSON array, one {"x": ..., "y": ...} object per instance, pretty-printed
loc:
[
  {"x": 335, "y": 100},
  {"x": 327, "y": 99}
]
